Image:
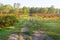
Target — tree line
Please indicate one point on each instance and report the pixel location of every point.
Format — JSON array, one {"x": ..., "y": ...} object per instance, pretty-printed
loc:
[{"x": 27, "y": 10}]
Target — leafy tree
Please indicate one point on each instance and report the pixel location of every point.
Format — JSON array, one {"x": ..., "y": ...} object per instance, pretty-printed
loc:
[
  {"x": 16, "y": 5},
  {"x": 45, "y": 10},
  {"x": 41, "y": 10},
  {"x": 32, "y": 10},
  {"x": 51, "y": 9},
  {"x": 25, "y": 10},
  {"x": 1, "y": 8},
  {"x": 7, "y": 8},
  {"x": 16, "y": 8},
  {"x": 59, "y": 11}
]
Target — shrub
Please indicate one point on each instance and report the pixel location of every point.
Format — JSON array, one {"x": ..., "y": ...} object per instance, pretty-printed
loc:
[{"x": 6, "y": 21}]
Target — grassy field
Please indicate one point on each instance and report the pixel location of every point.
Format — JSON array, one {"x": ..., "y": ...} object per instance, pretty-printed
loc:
[{"x": 51, "y": 27}]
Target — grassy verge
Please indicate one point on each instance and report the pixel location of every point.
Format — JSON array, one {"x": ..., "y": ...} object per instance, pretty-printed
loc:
[
  {"x": 51, "y": 27},
  {"x": 54, "y": 35}
]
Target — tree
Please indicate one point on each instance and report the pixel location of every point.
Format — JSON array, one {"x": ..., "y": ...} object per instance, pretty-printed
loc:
[
  {"x": 38, "y": 10},
  {"x": 7, "y": 8},
  {"x": 16, "y": 8},
  {"x": 16, "y": 5},
  {"x": 41, "y": 10},
  {"x": 51, "y": 9},
  {"x": 45, "y": 10},
  {"x": 1, "y": 8},
  {"x": 57, "y": 11},
  {"x": 32, "y": 10},
  {"x": 25, "y": 10}
]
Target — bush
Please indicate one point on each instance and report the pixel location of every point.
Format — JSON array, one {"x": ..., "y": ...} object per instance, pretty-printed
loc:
[{"x": 6, "y": 21}]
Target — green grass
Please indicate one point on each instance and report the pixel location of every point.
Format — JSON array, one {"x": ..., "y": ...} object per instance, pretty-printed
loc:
[
  {"x": 51, "y": 27},
  {"x": 4, "y": 33},
  {"x": 54, "y": 35}
]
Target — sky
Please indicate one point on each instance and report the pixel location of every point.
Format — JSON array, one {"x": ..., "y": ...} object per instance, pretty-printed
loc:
[{"x": 33, "y": 3}]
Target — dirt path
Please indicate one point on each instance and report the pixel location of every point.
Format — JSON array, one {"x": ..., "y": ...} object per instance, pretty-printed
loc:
[{"x": 40, "y": 36}]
